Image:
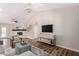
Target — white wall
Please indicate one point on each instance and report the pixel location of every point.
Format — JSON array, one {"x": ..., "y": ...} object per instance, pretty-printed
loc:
[
  {"x": 65, "y": 21},
  {"x": 39, "y": 19},
  {"x": 67, "y": 27}
]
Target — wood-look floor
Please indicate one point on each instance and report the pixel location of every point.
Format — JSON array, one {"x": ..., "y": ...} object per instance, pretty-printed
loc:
[{"x": 53, "y": 50}]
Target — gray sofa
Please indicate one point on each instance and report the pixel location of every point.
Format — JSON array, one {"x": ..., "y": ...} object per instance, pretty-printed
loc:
[
  {"x": 29, "y": 50},
  {"x": 34, "y": 51},
  {"x": 25, "y": 50}
]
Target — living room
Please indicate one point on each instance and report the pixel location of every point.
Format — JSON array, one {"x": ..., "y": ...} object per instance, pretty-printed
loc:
[{"x": 27, "y": 24}]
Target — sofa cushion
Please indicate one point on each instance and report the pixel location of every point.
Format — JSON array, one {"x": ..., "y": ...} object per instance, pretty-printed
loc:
[
  {"x": 27, "y": 53},
  {"x": 10, "y": 52}
]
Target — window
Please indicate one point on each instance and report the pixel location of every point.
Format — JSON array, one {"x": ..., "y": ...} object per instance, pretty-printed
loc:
[{"x": 3, "y": 32}]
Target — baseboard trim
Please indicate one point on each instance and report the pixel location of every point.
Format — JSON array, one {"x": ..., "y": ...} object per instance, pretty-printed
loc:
[{"x": 68, "y": 48}]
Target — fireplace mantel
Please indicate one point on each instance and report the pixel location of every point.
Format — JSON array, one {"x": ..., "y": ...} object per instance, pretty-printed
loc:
[{"x": 18, "y": 29}]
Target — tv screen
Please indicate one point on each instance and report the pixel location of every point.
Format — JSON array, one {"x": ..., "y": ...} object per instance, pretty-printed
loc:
[
  {"x": 19, "y": 33},
  {"x": 47, "y": 28}
]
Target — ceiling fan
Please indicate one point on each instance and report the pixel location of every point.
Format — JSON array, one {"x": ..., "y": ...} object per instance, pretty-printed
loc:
[
  {"x": 15, "y": 20},
  {"x": 28, "y": 9}
]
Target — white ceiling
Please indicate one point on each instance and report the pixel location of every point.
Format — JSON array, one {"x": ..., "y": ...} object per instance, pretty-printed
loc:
[{"x": 12, "y": 10}]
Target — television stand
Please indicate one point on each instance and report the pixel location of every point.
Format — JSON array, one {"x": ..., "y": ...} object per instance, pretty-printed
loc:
[{"x": 48, "y": 38}]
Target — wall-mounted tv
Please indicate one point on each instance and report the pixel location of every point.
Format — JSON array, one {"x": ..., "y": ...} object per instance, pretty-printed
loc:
[{"x": 47, "y": 28}]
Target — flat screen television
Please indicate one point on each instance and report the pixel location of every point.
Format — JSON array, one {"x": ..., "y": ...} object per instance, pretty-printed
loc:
[
  {"x": 47, "y": 28},
  {"x": 19, "y": 33}
]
